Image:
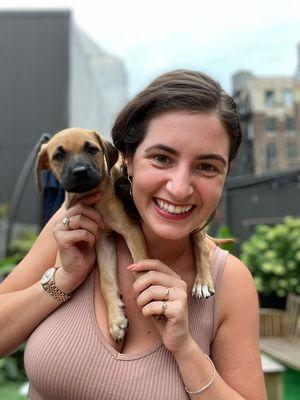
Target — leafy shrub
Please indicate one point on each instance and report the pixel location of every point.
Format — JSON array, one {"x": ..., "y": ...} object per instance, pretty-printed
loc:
[
  {"x": 11, "y": 368},
  {"x": 273, "y": 256},
  {"x": 17, "y": 251}
]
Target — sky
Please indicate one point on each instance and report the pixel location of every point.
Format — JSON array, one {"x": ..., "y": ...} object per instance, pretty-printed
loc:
[{"x": 216, "y": 37}]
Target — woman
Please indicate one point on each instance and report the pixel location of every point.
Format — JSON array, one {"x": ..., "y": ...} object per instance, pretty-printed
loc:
[{"x": 179, "y": 137}]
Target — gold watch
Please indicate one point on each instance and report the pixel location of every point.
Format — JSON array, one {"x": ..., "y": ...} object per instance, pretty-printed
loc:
[{"x": 48, "y": 284}]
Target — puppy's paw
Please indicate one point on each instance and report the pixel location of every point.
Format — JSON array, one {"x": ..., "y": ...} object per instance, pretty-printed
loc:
[
  {"x": 203, "y": 291},
  {"x": 118, "y": 327}
]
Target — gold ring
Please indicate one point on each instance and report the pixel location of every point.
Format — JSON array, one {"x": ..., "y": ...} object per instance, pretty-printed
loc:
[
  {"x": 66, "y": 222},
  {"x": 167, "y": 294}
]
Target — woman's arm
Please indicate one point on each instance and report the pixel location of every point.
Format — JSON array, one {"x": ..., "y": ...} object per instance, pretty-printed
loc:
[
  {"x": 23, "y": 302},
  {"x": 235, "y": 350}
]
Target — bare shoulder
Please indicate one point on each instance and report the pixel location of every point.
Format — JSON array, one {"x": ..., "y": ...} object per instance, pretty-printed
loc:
[
  {"x": 237, "y": 288},
  {"x": 235, "y": 349},
  {"x": 41, "y": 257}
]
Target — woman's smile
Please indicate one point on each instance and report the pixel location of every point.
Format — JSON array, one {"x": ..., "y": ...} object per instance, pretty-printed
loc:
[{"x": 172, "y": 211}]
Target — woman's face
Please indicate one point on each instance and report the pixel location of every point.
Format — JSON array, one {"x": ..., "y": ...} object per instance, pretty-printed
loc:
[{"x": 178, "y": 172}]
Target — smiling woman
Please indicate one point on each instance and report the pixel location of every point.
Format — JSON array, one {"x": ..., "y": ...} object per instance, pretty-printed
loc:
[{"x": 178, "y": 138}]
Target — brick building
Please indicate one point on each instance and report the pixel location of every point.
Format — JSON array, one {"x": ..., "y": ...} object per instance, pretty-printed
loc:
[{"x": 270, "y": 116}]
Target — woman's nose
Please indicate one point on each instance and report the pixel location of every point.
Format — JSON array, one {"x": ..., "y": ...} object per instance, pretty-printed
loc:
[{"x": 180, "y": 185}]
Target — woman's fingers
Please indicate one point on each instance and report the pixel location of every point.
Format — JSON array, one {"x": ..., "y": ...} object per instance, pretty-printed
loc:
[
  {"x": 73, "y": 237},
  {"x": 151, "y": 265},
  {"x": 169, "y": 309},
  {"x": 82, "y": 222},
  {"x": 86, "y": 211}
]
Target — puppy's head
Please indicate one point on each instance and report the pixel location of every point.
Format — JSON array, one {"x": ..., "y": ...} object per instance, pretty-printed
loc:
[{"x": 80, "y": 159}]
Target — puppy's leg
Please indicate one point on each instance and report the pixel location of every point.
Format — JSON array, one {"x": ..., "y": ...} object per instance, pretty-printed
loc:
[
  {"x": 107, "y": 261},
  {"x": 203, "y": 286},
  {"x": 135, "y": 242}
]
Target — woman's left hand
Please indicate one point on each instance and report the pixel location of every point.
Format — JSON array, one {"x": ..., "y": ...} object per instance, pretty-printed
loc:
[{"x": 159, "y": 285}]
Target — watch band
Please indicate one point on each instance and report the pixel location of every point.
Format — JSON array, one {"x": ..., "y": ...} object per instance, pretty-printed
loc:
[{"x": 54, "y": 291}]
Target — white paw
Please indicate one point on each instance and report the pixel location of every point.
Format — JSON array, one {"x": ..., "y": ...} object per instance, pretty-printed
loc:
[
  {"x": 202, "y": 291},
  {"x": 118, "y": 328}
]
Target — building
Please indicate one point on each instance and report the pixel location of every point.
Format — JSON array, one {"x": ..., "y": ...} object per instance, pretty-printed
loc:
[
  {"x": 265, "y": 199},
  {"x": 270, "y": 116},
  {"x": 51, "y": 76}
]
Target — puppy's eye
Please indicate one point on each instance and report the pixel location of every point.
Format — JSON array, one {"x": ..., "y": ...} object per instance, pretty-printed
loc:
[
  {"x": 92, "y": 150},
  {"x": 59, "y": 155}
]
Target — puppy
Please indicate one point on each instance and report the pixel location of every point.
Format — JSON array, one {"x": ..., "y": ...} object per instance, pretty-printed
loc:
[{"x": 84, "y": 163}]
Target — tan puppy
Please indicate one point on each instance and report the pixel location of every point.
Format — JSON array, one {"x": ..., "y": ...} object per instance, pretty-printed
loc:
[{"x": 84, "y": 163}]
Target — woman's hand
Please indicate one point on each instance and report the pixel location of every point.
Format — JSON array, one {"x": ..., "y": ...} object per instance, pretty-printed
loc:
[
  {"x": 76, "y": 241},
  {"x": 159, "y": 285}
]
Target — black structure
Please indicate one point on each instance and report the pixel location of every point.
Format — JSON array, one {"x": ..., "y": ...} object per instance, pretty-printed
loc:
[
  {"x": 265, "y": 199},
  {"x": 34, "y": 80}
]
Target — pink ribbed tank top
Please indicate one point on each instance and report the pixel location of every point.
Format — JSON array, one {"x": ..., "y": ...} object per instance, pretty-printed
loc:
[{"x": 68, "y": 358}]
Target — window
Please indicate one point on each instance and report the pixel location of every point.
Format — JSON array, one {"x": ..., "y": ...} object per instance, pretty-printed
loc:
[
  {"x": 270, "y": 124},
  {"x": 289, "y": 123},
  {"x": 271, "y": 155},
  {"x": 269, "y": 98},
  {"x": 291, "y": 150},
  {"x": 288, "y": 98}
]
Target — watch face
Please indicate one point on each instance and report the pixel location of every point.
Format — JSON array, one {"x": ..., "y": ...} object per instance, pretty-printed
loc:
[{"x": 48, "y": 275}]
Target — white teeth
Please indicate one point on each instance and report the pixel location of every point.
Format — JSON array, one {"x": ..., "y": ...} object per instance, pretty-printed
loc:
[{"x": 171, "y": 208}]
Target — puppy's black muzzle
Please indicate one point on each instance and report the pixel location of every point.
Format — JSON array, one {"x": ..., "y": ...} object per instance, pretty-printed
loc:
[{"x": 80, "y": 178}]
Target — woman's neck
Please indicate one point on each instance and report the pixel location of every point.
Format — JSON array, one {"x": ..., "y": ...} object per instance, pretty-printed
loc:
[{"x": 177, "y": 254}]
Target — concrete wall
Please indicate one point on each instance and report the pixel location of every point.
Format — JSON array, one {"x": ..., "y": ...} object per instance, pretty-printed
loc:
[
  {"x": 51, "y": 76},
  {"x": 34, "y": 61}
]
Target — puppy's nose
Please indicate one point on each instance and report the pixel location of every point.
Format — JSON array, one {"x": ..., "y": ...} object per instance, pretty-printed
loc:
[{"x": 79, "y": 171}]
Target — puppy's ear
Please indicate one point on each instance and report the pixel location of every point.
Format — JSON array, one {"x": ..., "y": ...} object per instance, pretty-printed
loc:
[
  {"x": 41, "y": 163},
  {"x": 110, "y": 152}
]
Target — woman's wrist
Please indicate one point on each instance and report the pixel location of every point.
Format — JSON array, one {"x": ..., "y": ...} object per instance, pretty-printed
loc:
[
  {"x": 186, "y": 349},
  {"x": 65, "y": 281}
]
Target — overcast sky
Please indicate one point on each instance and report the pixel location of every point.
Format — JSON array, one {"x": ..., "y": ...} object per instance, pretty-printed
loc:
[{"x": 216, "y": 37}]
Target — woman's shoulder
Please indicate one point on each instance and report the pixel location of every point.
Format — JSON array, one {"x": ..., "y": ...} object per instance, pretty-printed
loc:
[{"x": 237, "y": 290}]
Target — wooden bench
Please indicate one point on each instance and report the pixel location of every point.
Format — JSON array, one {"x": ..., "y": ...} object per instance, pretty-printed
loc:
[
  {"x": 280, "y": 333},
  {"x": 273, "y": 373}
]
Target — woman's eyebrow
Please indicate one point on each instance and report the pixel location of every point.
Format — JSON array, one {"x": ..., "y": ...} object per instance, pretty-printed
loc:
[
  {"x": 162, "y": 147},
  {"x": 168, "y": 149},
  {"x": 212, "y": 156}
]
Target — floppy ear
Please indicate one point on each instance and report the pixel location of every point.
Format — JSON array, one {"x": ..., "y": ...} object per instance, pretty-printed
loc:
[
  {"x": 110, "y": 152},
  {"x": 41, "y": 163}
]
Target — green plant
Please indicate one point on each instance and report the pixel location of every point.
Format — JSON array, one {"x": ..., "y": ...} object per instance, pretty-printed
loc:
[
  {"x": 12, "y": 367},
  {"x": 3, "y": 210},
  {"x": 273, "y": 256},
  {"x": 17, "y": 250},
  {"x": 224, "y": 232}
]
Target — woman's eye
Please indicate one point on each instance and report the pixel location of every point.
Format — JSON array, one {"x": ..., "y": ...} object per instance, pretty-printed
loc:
[
  {"x": 161, "y": 158},
  {"x": 208, "y": 169}
]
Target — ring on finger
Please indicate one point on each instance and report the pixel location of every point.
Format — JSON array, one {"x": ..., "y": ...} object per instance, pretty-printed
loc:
[
  {"x": 66, "y": 222},
  {"x": 164, "y": 306},
  {"x": 167, "y": 294}
]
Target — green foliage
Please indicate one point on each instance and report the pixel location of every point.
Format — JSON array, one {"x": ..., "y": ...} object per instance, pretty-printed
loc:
[
  {"x": 273, "y": 256},
  {"x": 12, "y": 368},
  {"x": 224, "y": 232},
  {"x": 17, "y": 251},
  {"x": 3, "y": 210}
]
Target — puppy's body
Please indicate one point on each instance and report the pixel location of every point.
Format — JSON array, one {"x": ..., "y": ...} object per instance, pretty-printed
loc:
[{"x": 84, "y": 163}]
